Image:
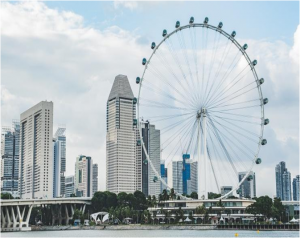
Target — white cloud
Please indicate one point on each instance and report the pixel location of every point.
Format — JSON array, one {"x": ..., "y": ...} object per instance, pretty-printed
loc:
[{"x": 49, "y": 54}]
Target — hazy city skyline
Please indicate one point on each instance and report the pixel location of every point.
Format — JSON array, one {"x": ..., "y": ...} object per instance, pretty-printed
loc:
[{"x": 78, "y": 80}]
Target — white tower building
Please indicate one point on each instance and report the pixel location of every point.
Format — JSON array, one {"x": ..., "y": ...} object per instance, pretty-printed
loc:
[
  {"x": 36, "y": 153},
  {"x": 121, "y": 138}
]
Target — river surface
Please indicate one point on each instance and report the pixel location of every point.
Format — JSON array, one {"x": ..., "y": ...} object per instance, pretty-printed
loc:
[{"x": 151, "y": 233}]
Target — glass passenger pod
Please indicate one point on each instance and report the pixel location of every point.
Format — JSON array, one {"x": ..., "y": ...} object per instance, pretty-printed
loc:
[
  {"x": 258, "y": 161},
  {"x": 238, "y": 191},
  {"x": 134, "y": 122},
  {"x": 145, "y": 161},
  {"x": 155, "y": 179},
  {"x": 233, "y": 34},
  {"x": 254, "y": 62},
  {"x": 138, "y": 79},
  {"x": 153, "y": 45},
  {"x": 264, "y": 142},
  {"x": 177, "y": 24},
  {"x": 266, "y": 121},
  {"x": 220, "y": 25},
  {"x": 206, "y": 20},
  {"x": 261, "y": 81},
  {"x": 191, "y": 20},
  {"x": 144, "y": 61},
  {"x": 265, "y": 101},
  {"x": 138, "y": 142},
  {"x": 164, "y": 33},
  {"x": 134, "y": 100},
  {"x": 250, "y": 177},
  {"x": 245, "y": 46}
]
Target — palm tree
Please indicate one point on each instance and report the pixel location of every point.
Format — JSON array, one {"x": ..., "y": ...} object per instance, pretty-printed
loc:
[{"x": 172, "y": 193}]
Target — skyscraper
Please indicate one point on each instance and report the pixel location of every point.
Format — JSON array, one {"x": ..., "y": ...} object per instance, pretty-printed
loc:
[
  {"x": 121, "y": 138},
  {"x": 296, "y": 187},
  {"x": 70, "y": 186},
  {"x": 164, "y": 175},
  {"x": 36, "y": 153},
  {"x": 10, "y": 159},
  {"x": 186, "y": 172},
  {"x": 95, "y": 178},
  {"x": 175, "y": 176},
  {"x": 83, "y": 176},
  {"x": 283, "y": 182},
  {"x": 192, "y": 183},
  {"x": 60, "y": 138},
  {"x": 247, "y": 188}
]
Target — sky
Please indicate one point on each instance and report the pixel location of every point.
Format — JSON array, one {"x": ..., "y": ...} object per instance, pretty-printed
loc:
[{"x": 70, "y": 53}]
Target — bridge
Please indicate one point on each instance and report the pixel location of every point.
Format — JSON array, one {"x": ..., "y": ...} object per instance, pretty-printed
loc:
[{"x": 15, "y": 213}]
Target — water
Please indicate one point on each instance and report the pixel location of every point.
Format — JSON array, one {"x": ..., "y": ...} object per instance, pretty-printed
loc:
[{"x": 152, "y": 233}]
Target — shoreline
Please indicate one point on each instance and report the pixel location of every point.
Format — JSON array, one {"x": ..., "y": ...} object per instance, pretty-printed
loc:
[{"x": 160, "y": 227}]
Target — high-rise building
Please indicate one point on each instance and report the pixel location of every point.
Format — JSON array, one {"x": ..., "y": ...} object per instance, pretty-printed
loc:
[
  {"x": 225, "y": 190},
  {"x": 164, "y": 176},
  {"x": 56, "y": 167},
  {"x": 10, "y": 159},
  {"x": 83, "y": 176},
  {"x": 283, "y": 182},
  {"x": 186, "y": 172},
  {"x": 192, "y": 184},
  {"x": 36, "y": 152},
  {"x": 95, "y": 178},
  {"x": 247, "y": 188},
  {"x": 154, "y": 155},
  {"x": 60, "y": 138},
  {"x": 287, "y": 190},
  {"x": 175, "y": 176},
  {"x": 121, "y": 138},
  {"x": 143, "y": 177},
  {"x": 70, "y": 186},
  {"x": 296, "y": 187}
]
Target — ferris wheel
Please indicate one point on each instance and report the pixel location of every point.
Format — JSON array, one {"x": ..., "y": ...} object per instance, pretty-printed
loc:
[{"x": 201, "y": 90}]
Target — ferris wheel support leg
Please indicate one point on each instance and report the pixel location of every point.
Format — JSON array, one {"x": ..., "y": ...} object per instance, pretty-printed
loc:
[
  {"x": 204, "y": 153},
  {"x": 199, "y": 161}
]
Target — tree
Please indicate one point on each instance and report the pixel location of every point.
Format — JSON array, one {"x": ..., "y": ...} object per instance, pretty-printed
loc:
[
  {"x": 6, "y": 196},
  {"x": 278, "y": 210},
  {"x": 194, "y": 195},
  {"x": 172, "y": 194},
  {"x": 262, "y": 205},
  {"x": 165, "y": 195},
  {"x": 122, "y": 199},
  {"x": 201, "y": 209},
  {"x": 154, "y": 200},
  {"x": 72, "y": 195},
  {"x": 141, "y": 201},
  {"x": 213, "y": 195}
]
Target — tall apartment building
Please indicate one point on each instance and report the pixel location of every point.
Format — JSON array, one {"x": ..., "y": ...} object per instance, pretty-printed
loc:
[
  {"x": 36, "y": 152},
  {"x": 10, "y": 159},
  {"x": 283, "y": 182},
  {"x": 95, "y": 178},
  {"x": 175, "y": 169},
  {"x": 70, "y": 186},
  {"x": 60, "y": 141},
  {"x": 164, "y": 176},
  {"x": 83, "y": 176},
  {"x": 121, "y": 138},
  {"x": 192, "y": 183},
  {"x": 296, "y": 187},
  {"x": 247, "y": 188}
]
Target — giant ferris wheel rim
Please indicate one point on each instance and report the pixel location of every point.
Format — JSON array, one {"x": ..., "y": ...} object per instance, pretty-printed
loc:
[{"x": 250, "y": 63}]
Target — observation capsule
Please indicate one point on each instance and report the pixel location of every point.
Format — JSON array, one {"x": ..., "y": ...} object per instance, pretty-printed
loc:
[
  {"x": 134, "y": 100},
  {"x": 138, "y": 80},
  {"x": 145, "y": 161},
  {"x": 233, "y": 34},
  {"x": 134, "y": 122},
  {"x": 254, "y": 62},
  {"x": 164, "y": 33},
  {"x": 258, "y": 161},
  {"x": 220, "y": 25},
  {"x": 245, "y": 46},
  {"x": 177, "y": 24},
  {"x": 206, "y": 20},
  {"x": 138, "y": 143},
  {"x": 191, "y": 20},
  {"x": 153, "y": 45},
  {"x": 155, "y": 179},
  {"x": 261, "y": 81},
  {"x": 144, "y": 61},
  {"x": 264, "y": 142},
  {"x": 250, "y": 177},
  {"x": 266, "y": 121},
  {"x": 265, "y": 101},
  {"x": 238, "y": 191}
]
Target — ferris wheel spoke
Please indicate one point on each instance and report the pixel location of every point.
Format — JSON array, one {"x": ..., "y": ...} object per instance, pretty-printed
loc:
[
  {"x": 168, "y": 117},
  {"x": 217, "y": 91},
  {"x": 233, "y": 136},
  {"x": 237, "y": 132},
  {"x": 176, "y": 59},
  {"x": 238, "y": 108},
  {"x": 233, "y": 104},
  {"x": 152, "y": 103},
  {"x": 243, "y": 121}
]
